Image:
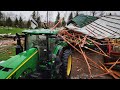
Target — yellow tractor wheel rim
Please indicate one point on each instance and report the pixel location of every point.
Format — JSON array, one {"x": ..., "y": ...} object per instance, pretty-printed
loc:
[{"x": 69, "y": 65}]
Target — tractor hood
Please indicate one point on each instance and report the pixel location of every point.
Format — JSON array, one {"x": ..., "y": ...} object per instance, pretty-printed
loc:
[
  {"x": 41, "y": 31},
  {"x": 14, "y": 64}
]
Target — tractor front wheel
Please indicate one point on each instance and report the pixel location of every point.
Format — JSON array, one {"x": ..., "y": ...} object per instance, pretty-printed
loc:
[{"x": 66, "y": 66}]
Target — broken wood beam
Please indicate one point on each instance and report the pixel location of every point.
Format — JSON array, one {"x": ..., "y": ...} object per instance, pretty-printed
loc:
[
  {"x": 111, "y": 73},
  {"x": 86, "y": 61},
  {"x": 57, "y": 24},
  {"x": 114, "y": 64}
]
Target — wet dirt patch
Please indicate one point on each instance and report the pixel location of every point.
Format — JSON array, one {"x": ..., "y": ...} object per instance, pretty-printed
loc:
[{"x": 80, "y": 68}]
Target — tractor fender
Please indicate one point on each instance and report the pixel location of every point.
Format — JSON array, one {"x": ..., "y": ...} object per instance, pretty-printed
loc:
[{"x": 60, "y": 51}]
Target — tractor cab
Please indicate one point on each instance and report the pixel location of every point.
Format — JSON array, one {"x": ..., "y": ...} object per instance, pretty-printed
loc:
[{"x": 42, "y": 39}]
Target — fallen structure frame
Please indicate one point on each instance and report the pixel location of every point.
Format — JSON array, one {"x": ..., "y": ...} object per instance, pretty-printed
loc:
[
  {"x": 79, "y": 41},
  {"x": 102, "y": 36}
]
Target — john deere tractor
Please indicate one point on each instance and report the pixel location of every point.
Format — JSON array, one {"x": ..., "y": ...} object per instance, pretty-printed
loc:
[{"x": 43, "y": 56}]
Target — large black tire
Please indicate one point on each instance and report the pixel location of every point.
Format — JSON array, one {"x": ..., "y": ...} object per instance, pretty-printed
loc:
[{"x": 63, "y": 70}]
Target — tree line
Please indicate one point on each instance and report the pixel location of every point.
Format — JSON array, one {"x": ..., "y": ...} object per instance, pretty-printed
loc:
[
  {"x": 18, "y": 22},
  {"x": 21, "y": 23}
]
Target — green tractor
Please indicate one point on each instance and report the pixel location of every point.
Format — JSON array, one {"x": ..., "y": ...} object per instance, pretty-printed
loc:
[{"x": 44, "y": 56}]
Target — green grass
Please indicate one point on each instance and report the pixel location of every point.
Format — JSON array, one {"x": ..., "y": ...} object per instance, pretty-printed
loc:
[
  {"x": 5, "y": 30},
  {"x": 7, "y": 53}
]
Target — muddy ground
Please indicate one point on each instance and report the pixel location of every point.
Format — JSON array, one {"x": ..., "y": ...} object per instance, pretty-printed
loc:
[
  {"x": 79, "y": 66},
  {"x": 9, "y": 41}
]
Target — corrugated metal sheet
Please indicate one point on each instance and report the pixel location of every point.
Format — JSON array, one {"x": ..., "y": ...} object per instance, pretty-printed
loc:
[
  {"x": 83, "y": 20},
  {"x": 107, "y": 26}
]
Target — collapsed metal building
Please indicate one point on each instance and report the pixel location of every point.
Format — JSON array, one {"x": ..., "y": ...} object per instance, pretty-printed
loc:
[{"x": 99, "y": 35}]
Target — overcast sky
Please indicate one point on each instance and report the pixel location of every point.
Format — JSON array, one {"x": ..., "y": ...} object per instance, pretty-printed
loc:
[{"x": 26, "y": 14}]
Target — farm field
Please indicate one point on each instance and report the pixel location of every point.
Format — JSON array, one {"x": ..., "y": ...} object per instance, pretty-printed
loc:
[{"x": 6, "y": 30}]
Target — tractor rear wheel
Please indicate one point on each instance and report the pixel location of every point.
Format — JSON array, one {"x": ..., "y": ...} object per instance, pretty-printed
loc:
[{"x": 66, "y": 66}]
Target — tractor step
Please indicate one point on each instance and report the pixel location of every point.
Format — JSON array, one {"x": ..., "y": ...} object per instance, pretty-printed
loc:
[
  {"x": 40, "y": 75},
  {"x": 35, "y": 75}
]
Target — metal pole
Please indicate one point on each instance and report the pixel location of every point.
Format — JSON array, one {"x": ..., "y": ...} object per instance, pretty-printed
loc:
[{"x": 47, "y": 19}]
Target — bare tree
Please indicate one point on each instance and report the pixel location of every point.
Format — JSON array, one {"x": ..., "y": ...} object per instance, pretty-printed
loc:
[
  {"x": 28, "y": 24},
  {"x": 102, "y": 13},
  {"x": 65, "y": 15},
  {"x": 39, "y": 21},
  {"x": 75, "y": 13},
  {"x": 11, "y": 15},
  {"x": 50, "y": 15},
  {"x": 50, "y": 18},
  {"x": 93, "y": 13},
  {"x": 37, "y": 14}
]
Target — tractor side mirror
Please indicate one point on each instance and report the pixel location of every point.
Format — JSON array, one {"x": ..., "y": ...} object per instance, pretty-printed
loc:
[{"x": 19, "y": 47}]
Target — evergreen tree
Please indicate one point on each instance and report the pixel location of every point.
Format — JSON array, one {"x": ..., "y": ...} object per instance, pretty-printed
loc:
[
  {"x": 57, "y": 19},
  {"x": 16, "y": 23},
  {"x": 4, "y": 21},
  {"x": 70, "y": 17},
  {"x": 28, "y": 24},
  {"x": 110, "y": 14},
  {"x": 63, "y": 22},
  {"x": 21, "y": 24},
  {"x": 1, "y": 17},
  {"x": 8, "y": 22}
]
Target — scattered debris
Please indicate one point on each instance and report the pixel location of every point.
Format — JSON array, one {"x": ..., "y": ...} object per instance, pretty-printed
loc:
[{"x": 102, "y": 42}]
